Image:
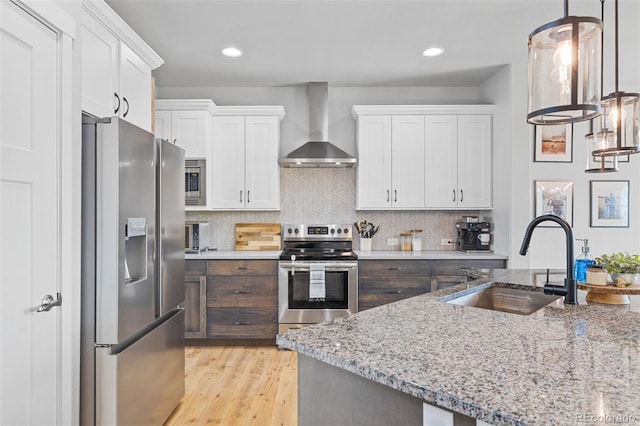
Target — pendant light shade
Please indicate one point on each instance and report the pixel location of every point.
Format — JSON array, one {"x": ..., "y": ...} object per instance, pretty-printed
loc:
[
  {"x": 618, "y": 128},
  {"x": 596, "y": 164},
  {"x": 564, "y": 84}
]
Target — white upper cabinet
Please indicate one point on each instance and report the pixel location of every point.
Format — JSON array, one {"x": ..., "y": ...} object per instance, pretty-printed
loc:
[
  {"x": 407, "y": 161},
  {"x": 460, "y": 170},
  {"x": 374, "y": 162},
  {"x": 187, "y": 123},
  {"x": 390, "y": 162},
  {"x": 246, "y": 174},
  {"x": 424, "y": 157},
  {"x": 475, "y": 155},
  {"x": 441, "y": 143},
  {"x": 116, "y": 67}
]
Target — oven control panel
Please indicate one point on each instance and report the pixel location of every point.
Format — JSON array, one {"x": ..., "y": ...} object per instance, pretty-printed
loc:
[{"x": 298, "y": 232}]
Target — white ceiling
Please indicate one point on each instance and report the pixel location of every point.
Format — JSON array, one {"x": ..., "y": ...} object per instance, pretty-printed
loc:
[{"x": 355, "y": 43}]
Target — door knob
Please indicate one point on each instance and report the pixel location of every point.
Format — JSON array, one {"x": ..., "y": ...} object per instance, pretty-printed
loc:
[{"x": 49, "y": 302}]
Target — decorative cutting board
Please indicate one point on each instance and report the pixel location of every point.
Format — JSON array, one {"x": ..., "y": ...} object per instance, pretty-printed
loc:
[{"x": 258, "y": 236}]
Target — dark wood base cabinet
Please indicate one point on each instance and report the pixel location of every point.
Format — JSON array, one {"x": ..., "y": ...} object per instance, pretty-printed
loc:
[
  {"x": 237, "y": 300},
  {"x": 385, "y": 281},
  {"x": 231, "y": 299},
  {"x": 195, "y": 299}
]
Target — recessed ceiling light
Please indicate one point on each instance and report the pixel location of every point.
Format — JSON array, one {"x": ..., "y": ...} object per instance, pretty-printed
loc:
[
  {"x": 433, "y": 51},
  {"x": 232, "y": 52}
]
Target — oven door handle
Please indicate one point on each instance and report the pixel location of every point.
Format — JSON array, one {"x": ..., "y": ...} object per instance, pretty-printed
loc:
[{"x": 328, "y": 267}]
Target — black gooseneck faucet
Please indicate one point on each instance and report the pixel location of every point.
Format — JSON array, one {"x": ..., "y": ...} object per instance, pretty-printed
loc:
[{"x": 569, "y": 291}]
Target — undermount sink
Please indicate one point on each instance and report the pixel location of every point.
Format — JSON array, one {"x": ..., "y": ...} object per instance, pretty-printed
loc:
[{"x": 506, "y": 299}]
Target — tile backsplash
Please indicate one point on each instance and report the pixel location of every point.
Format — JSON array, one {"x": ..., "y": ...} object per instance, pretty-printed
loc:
[{"x": 329, "y": 195}]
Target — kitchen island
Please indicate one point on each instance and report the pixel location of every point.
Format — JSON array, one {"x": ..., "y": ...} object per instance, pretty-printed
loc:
[{"x": 558, "y": 366}]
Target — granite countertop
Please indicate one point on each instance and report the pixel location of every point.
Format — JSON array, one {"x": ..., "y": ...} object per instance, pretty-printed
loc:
[{"x": 557, "y": 366}]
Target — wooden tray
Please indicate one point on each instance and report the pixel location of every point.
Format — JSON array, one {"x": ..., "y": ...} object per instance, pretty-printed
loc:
[
  {"x": 609, "y": 294},
  {"x": 258, "y": 236}
]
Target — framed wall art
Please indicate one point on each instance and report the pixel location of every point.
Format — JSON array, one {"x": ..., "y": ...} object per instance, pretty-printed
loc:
[
  {"x": 553, "y": 143},
  {"x": 609, "y": 203},
  {"x": 554, "y": 197}
]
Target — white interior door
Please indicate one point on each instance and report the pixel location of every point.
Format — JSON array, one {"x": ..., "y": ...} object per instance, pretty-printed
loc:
[{"x": 29, "y": 194}]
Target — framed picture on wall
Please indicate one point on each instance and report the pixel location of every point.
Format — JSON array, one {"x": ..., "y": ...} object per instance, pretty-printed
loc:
[
  {"x": 553, "y": 143},
  {"x": 609, "y": 201},
  {"x": 554, "y": 197}
]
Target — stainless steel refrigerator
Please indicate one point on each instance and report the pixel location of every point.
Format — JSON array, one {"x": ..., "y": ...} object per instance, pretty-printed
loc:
[{"x": 132, "y": 337}]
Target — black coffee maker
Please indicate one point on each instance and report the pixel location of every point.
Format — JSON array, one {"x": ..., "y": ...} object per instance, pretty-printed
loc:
[{"x": 473, "y": 236}]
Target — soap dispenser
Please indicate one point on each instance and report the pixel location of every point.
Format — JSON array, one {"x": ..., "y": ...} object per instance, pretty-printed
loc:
[{"x": 583, "y": 262}]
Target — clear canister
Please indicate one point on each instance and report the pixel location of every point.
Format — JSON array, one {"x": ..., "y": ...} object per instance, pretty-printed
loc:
[
  {"x": 405, "y": 242},
  {"x": 416, "y": 239}
]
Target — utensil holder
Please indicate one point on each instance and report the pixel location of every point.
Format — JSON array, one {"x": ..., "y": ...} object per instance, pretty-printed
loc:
[{"x": 365, "y": 244}]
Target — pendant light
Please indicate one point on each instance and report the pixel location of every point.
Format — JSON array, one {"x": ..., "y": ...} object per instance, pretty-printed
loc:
[
  {"x": 591, "y": 139},
  {"x": 564, "y": 67},
  {"x": 601, "y": 166},
  {"x": 618, "y": 129}
]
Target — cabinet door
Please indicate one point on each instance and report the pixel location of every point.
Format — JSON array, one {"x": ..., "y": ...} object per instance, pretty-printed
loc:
[
  {"x": 163, "y": 125},
  {"x": 407, "y": 161},
  {"x": 189, "y": 130},
  {"x": 441, "y": 161},
  {"x": 374, "y": 162},
  {"x": 474, "y": 161},
  {"x": 135, "y": 88},
  {"x": 228, "y": 163},
  {"x": 99, "y": 68},
  {"x": 261, "y": 161},
  {"x": 195, "y": 307}
]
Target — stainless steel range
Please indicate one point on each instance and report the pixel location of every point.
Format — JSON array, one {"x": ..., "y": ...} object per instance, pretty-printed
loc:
[{"x": 318, "y": 275}]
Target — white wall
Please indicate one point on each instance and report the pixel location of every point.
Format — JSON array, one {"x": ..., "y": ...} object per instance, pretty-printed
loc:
[
  {"x": 513, "y": 149},
  {"x": 496, "y": 91}
]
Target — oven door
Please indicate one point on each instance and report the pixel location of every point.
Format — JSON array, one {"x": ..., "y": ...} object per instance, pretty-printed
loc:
[{"x": 341, "y": 289}]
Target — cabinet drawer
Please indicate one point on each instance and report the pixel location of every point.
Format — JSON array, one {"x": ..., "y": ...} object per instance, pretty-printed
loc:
[
  {"x": 452, "y": 267},
  {"x": 243, "y": 323},
  {"x": 382, "y": 290},
  {"x": 195, "y": 268},
  {"x": 242, "y": 267},
  {"x": 228, "y": 291},
  {"x": 393, "y": 267}
]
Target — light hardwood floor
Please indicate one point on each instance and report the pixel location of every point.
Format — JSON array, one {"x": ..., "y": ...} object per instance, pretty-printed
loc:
[{"x": 238, "y": 385}]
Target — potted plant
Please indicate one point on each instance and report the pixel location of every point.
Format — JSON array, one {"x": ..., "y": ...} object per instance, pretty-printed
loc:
[{"x": 624, "y": 268}]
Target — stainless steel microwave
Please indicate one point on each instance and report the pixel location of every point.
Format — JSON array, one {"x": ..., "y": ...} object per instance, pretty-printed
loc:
[{"x": 195, "y": 188}]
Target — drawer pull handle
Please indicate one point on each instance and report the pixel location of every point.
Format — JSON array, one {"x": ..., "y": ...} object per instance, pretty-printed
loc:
[
  {"x": 395, "y": 268},
  {"x": 241, "y": 268},
  {"x": 394, "y": 292},
  {"x": 241, "y": 323},
  {"x": 242, "y": 291}
]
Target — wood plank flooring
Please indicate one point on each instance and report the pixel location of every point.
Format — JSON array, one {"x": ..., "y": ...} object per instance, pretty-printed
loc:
[{"x": 238, "y": 385}]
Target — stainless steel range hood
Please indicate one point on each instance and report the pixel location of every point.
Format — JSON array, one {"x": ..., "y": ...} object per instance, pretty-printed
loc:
[{"x": 318, "y": 152}]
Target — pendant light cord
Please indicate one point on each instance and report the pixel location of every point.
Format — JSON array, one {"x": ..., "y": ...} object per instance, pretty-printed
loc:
[{"x": 616, "y": 43}]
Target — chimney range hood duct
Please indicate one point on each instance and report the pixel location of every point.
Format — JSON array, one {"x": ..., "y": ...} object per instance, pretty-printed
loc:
[{"x": 318, "y": 152}]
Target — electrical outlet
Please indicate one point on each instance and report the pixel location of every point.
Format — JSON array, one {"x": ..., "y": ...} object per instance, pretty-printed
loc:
[
  {"x": 392, "y": 242},
  {"x": 445, "y": 242}
]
